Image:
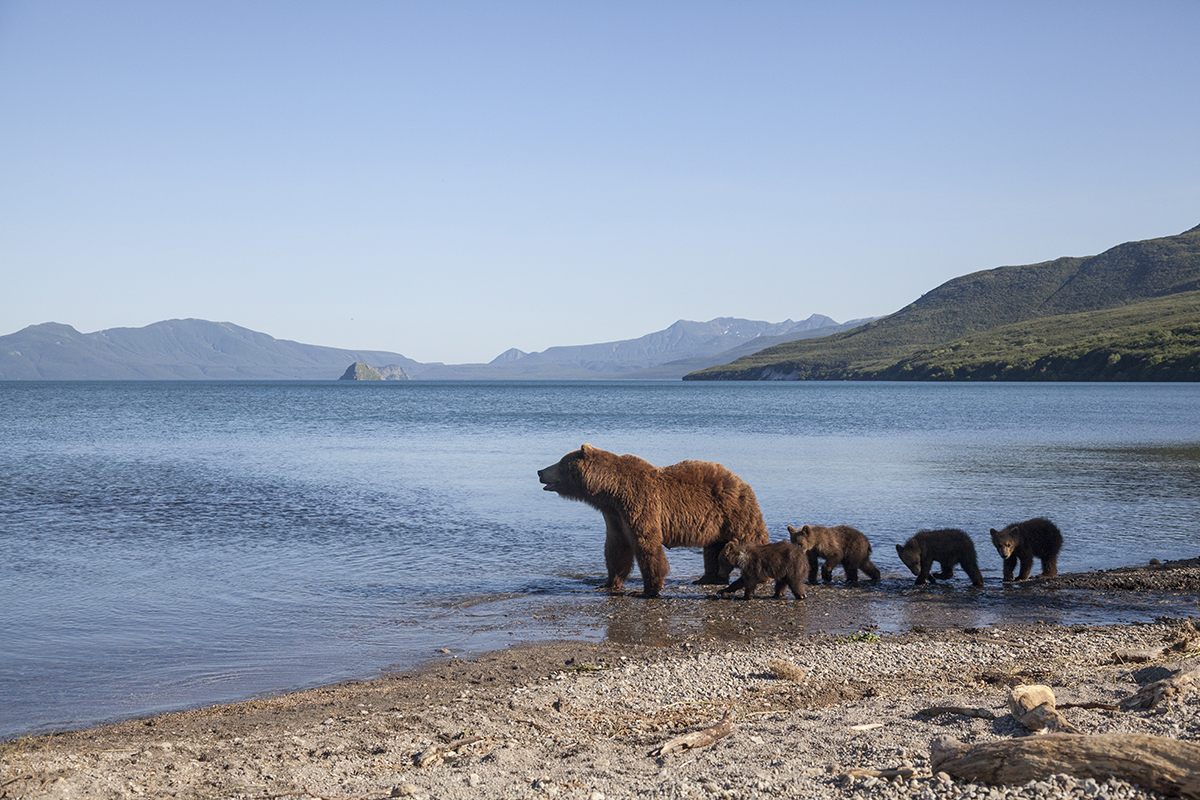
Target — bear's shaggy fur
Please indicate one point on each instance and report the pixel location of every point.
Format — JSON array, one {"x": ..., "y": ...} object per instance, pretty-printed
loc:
[
  {"x": 948, "y": 546},
  {"x": 840, "y": 544},
  {"x": 781, "y": 562},
  {"x": 1021, "y": 541},
  {"x": 647, "y": 508}
]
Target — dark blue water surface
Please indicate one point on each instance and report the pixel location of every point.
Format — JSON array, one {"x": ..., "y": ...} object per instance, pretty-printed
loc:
[{"x": 171, "y": 544}]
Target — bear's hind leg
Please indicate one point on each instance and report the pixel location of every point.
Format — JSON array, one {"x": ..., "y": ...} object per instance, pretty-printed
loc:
[
  {"x": 971, "y": 567},
  {"x": 797, "y": 587},
  {"x": 851, "y": 573},
  {"x": 712, "y": 565},
  {"x": 947, "y": 569},
  {"x": 1050, "y": 566},
  {"x": 872, "y": 571}
]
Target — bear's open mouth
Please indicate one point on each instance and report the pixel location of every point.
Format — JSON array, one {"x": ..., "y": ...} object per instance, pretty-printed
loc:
[{"x": 552, "y": 486}]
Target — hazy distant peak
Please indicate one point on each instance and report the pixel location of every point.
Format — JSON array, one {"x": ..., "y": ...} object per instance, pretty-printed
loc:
[{"x": 508, "y": 356}]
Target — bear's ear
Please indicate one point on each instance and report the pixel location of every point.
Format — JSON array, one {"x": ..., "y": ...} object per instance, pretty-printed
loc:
[
  {"x": 792, "y": 530},
  {"x": 807, "y": 529},
  {"x": 995, "y": 532},
  {"x": 899, "y": 548},
  {"x": 586, "y": 447}
]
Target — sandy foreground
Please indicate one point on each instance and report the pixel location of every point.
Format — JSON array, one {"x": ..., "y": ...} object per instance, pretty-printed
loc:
[{"x": 583, "y": 720}]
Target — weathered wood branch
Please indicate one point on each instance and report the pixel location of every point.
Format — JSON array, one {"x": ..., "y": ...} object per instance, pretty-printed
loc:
[
  {"x": 1099, "y": 706},
  {"x": 1127, "y": 655},
  {"x": 701, "y": 738},
  {"x": 437, "y": 752},
  {"x": 887, "y": 774},
  {"x": 1157, "y": 763},
  {"x": 980, "y": 713},
  {"x": 1033, "y": 706},
  {"x": 1152, "y": 694}
]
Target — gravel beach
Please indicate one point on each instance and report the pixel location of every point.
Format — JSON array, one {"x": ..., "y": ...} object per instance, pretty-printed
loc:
[{"x": 813, "y": 716}]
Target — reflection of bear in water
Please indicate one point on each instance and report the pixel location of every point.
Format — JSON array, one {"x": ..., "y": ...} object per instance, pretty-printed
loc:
[
  {"x": 646, "y": 508},
  {"x": 839, "y": 544},
  {"x": 782, "y": 562},
  {"x": 1021, "y": 541},
  {"x": 948, "y": 547}
]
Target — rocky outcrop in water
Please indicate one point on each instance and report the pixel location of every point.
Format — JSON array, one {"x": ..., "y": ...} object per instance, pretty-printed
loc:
[
  {"x": 394, "y": 372},
  {"x": 362, "y": 371}
]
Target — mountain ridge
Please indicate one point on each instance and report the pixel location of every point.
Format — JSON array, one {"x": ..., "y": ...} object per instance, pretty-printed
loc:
[
  {"x": 1125, "y": 274},
  {"x": 193, "y": 349}
]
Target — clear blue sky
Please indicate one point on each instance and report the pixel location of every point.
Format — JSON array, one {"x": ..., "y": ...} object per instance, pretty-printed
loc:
[{"x": 447, "y": 180}]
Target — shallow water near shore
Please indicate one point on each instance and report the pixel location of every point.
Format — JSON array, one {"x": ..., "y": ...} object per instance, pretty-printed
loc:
[{"x": 168, "y": 545}]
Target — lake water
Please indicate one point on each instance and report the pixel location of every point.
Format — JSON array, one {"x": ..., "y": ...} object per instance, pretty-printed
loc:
[{"x": 173, "y": 544}]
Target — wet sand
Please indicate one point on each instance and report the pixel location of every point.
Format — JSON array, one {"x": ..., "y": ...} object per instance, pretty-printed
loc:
[{"x": 579, "y": 719}]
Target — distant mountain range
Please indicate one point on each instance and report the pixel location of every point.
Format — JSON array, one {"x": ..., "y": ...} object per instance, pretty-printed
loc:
[
  {"x": 192, "y": 349},
  {"x": 177, "y": 349},
  {"x": 1129, "y": 313}
]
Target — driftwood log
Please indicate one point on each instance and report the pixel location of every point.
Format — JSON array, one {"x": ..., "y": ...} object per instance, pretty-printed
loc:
[
  {"x": 887, "y": 774},
  {"x": 437, "y": 752},
  {"x": 1127, "y": 655},
  {"x": 1152, "y": 694},
  {"x": 979, "y": 713},
  {"x": 701, "y": 738},
  {"x": 1157, "y": 763},
  {"x": 1185, "y": 640},
  {"x": 1033, "y": 706}
]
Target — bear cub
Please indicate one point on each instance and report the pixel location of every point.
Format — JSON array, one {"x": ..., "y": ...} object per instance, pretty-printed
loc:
[
  {"x": 1021, "y": 541},
  {"x": 839, "y": 544},
  {"x": 782, "y": 562},
  {"x": 948, "y": 546}
]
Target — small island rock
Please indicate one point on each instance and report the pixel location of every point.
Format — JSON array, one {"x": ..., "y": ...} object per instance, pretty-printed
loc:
[{"x": 361, "y": 371}]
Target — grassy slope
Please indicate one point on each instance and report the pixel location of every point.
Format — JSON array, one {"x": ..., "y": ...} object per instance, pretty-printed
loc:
[
  {"x": 1157, "y": 340},
  {"x": 1127, "y": 274}
]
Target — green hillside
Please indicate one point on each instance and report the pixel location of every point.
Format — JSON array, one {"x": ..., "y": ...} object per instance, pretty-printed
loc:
[
  {"x": 1125, "y": 275},
  {"x": 1155, "y": 340}
]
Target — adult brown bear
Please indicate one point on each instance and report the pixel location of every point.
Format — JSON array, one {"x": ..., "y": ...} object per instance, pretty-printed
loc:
[{"x": 647, "y": 508}]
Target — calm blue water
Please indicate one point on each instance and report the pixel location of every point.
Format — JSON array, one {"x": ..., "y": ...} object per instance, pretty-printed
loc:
[{"x": 178, "y": 543}]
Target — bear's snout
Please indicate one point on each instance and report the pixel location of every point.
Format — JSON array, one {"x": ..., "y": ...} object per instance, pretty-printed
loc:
[{"x": 549, "y": 477}]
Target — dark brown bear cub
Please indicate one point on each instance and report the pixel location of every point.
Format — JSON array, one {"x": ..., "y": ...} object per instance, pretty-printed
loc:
[
  {"x": 647, "y": 508},
  {"x": 948, "y": 547},
  {"x": 839, "y": 544},
  {"x": 782, "y": 562},
  {"x": 1021, "y": 541}
]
